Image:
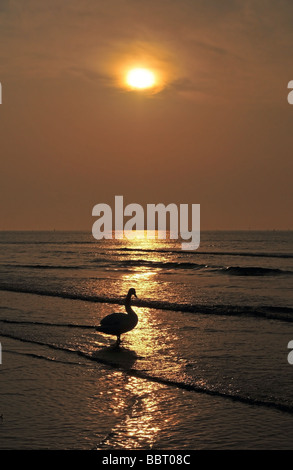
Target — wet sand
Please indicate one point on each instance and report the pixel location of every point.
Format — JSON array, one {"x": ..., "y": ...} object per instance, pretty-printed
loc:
[{"x": 54, "y": 397}]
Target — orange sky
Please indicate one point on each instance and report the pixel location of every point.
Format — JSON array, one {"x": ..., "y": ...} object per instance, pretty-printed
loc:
[{"x": 218, "y": 132}]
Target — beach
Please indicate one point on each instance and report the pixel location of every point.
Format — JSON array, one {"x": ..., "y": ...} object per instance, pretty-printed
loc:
[{"x": 205, "y": 368}]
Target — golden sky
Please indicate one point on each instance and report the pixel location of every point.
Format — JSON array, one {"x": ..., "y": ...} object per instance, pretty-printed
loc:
[{"x": 217, "y": 130}]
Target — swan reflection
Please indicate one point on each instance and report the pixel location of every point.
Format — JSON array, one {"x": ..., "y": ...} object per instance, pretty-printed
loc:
[{"x": 115, "y": 356}]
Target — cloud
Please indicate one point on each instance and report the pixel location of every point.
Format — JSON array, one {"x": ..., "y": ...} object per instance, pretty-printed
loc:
[{"x": 196, "y": 45}]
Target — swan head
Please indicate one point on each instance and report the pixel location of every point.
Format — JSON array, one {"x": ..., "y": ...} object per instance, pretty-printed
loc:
[{"x": 131, "y": 292}]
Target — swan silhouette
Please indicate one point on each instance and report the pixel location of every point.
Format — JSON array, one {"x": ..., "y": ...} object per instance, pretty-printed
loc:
[{"x": 117, "y": 323}]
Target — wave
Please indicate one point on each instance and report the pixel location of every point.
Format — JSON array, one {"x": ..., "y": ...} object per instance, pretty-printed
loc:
[
  {"x": 254, "y": 271},
  {"x": 154, "y": 264},
  {"x": 265, "y": 311},
  {"x": 182, "y": 383},
  {"x": 233, "y": 270},
  {"x": 28, "y": 322},
  {"x": 41, "y": 266},
  {"x": 106, "y": 263},
  {"x": 166, "y": 250},
  {"x": 39, "y": 356},
  {"x": 40, "y": 242},
  {"x": 213, "y": 253},
  {"x": 167, "y": 265}
]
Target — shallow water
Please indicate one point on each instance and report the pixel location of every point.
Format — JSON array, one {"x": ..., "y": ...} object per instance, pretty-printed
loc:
[{"x": 199, "y": 371}]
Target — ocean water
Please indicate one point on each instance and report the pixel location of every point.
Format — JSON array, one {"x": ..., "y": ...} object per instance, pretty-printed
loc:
[{"x": 206, "y": 367}]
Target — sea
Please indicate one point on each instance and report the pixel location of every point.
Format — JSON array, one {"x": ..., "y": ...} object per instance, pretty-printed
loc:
[{"x": 206, "y": 368}]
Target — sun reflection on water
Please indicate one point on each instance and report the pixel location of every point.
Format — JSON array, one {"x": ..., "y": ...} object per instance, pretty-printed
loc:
[
  {"x": 141, "y": 421},
  {"x": 148, "y": 351},
  {"x": 152, "y": 342}
]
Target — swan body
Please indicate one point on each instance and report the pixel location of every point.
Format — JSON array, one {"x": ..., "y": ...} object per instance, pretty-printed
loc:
[{"x": 118, "y": 323}]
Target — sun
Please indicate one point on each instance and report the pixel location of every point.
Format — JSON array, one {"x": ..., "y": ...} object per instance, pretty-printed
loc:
[{"x": 140, "y": 78}]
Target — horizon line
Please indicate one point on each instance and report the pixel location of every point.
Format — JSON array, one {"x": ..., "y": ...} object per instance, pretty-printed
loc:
[{"x": 202, "y": 230}]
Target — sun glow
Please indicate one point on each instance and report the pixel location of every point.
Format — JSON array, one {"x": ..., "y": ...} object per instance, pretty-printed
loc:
[{"x": 140, "y": 78}]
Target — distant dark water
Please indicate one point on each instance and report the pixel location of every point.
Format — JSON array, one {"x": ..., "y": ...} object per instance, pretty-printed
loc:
[{"x": 240, "y": 272}]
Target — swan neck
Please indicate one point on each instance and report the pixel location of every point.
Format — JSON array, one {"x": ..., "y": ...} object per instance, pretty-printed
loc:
[{"x": 128, "y": 306}]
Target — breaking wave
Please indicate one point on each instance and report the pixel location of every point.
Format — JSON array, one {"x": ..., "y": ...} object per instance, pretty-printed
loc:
[{"x": 265, "y": 311}]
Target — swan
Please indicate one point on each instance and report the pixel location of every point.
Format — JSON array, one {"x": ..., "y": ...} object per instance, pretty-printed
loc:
[{"x": 118, "y": 323}]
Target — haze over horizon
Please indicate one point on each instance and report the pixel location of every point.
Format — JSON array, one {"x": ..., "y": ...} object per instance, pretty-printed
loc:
[{"x": 218, "y": 130}]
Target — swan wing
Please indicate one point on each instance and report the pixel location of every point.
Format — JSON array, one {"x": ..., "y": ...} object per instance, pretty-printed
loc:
[{"x": 114, "y": 319}]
